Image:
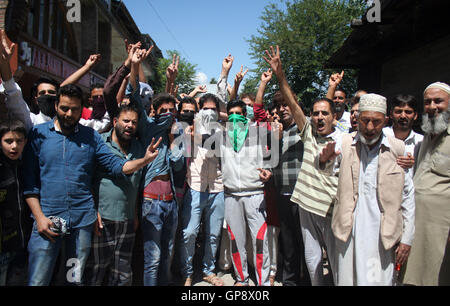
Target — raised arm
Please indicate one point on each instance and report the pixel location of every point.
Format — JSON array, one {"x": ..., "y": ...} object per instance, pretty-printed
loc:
[
  {"x": 265, "y": 79},
  {"x": 274, "y": 61},
  {"x": 222, "y": 84},
  {"x": 114, "y": 81},
  {"x": 197, "y": 90},
  {"x": 171, "y": 74},
  {"x": 139, "y": 55},
  {"x": 333, "y": 83},
  {"x": 258, "y": 107},
  {"x": 237, "y": 82},
  {"x": 14, "y": 101},
  {"x": 80, "y": 73}
]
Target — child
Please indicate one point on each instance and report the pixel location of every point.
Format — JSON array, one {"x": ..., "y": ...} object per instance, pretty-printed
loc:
[{"x": 13, "y": 218}]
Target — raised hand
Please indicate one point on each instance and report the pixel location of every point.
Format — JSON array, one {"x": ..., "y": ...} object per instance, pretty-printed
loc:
[
  {"x": 335, "y": 79},
  {"x": 274, "y": 60},
  {"x": 240, "y": 75},
  {"x": 6, "y": 50},
  {"x": 93, "y": 60},
  {"x": 152, "y": 150},
  {"x": 227, "y": 63},
  {"x": 329, "y": 153},
  {"x": 172, "y": 70},
  {"x": 140, "y": 55},
  {"x": 132, "y": 48},
  {"x": 266, "y": 76}
]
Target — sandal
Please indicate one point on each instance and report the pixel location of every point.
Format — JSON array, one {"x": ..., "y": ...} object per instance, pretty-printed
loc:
[{"x": 213, "y": 279}]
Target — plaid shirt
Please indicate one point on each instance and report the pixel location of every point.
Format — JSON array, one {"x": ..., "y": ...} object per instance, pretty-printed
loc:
[{"x": 291, "y": 156}]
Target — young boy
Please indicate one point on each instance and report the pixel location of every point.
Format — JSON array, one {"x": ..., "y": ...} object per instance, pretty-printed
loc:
[{"x": 13, "y": 218}]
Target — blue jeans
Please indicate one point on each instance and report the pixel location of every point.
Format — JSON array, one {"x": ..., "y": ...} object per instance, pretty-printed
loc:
[
  {"x": 159, "y": 224},
  {"x": 212, "y": 206},
  {"x": 43, "y": 254}
]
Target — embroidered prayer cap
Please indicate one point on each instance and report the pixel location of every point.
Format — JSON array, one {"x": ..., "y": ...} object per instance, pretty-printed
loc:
[
  {"x": 439, "y": 85},
  {"x": 373, "y": 102}
]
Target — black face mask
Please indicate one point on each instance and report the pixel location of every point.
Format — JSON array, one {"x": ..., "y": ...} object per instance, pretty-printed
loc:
[
  {"x": 187, "y": 117},
  {"x": 46, "y": 105},
  {"x": 98, "y": 108}
]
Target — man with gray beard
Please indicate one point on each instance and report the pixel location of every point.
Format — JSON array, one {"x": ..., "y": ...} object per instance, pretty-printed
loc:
[{"x": 429, "y": 262}]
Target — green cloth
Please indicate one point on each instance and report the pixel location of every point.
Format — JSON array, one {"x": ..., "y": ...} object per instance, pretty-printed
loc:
[
  {"x": 116, "y": 197},
  {"x": 238, "y": 132}
]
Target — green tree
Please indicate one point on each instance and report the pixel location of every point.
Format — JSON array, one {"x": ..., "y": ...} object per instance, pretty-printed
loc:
[
  {"x": 186, "y": 73},
  {"x": 308, "y": 33},
  {"x": 213, "y": 81}
]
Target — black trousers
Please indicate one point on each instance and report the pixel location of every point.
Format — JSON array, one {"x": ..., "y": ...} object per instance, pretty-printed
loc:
[{"x": 295, "y": 272}]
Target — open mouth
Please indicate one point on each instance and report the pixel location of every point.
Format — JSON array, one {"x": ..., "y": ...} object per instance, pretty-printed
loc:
[{"x": 320, "y": 126}]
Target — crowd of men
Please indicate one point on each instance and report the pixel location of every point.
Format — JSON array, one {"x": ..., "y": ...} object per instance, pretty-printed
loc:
[{"x": 351, "y": 181}]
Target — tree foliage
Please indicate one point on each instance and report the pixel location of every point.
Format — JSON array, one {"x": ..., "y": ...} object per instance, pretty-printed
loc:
[
  {"x": 308, "y": 33},
  {"x": 186, "y": 73}
]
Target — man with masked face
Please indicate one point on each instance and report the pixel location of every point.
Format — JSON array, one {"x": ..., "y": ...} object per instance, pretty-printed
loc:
[
  {"x": 373, "y": 218},
  {"x": 242, "y": 149},
  {"x": 204, "y": 197},
  {"x": 44, "y": 92},
  {"x": 429, "y": 262},
  {"x": 159, "y": 207}
]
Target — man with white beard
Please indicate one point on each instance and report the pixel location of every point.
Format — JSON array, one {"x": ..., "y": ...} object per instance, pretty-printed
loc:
[
  {"x": 373, "y": 217},
  {"x": 429, "y": 262}
]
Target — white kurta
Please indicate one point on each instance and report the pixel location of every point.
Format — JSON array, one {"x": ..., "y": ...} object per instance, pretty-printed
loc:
[{"x": 362, "y": 260}]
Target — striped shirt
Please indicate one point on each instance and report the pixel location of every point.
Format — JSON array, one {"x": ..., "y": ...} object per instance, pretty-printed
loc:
[{"x": 315, "y": 191}]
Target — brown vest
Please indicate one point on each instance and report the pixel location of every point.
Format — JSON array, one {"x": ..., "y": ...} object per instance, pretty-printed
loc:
[{"x": 390, "y": 183}]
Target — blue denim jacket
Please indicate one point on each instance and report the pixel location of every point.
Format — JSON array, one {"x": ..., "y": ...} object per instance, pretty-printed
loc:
[
  {"x": 60, "y": 170},
  {"x": 148, "y": 128}
]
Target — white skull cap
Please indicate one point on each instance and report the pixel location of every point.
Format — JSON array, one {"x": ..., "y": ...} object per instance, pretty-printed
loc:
[{"x": 374, "y": 103}]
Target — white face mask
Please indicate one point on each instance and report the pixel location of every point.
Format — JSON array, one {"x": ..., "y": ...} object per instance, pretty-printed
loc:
[
  {"x": 203, "y": 120},
  {"x": 208, "y": 115}
]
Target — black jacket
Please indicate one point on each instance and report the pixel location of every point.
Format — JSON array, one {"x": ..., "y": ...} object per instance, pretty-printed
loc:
[{"x": 15, "y": 220}]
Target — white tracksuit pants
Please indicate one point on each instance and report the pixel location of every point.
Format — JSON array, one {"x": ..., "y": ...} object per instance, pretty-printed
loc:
[{"x": 251, "y": 211}]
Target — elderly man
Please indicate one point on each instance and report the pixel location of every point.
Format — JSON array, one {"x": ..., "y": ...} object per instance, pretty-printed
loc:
[
  {"x": 428, "y": 265},
  {"x": 373, "y": 217}
]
